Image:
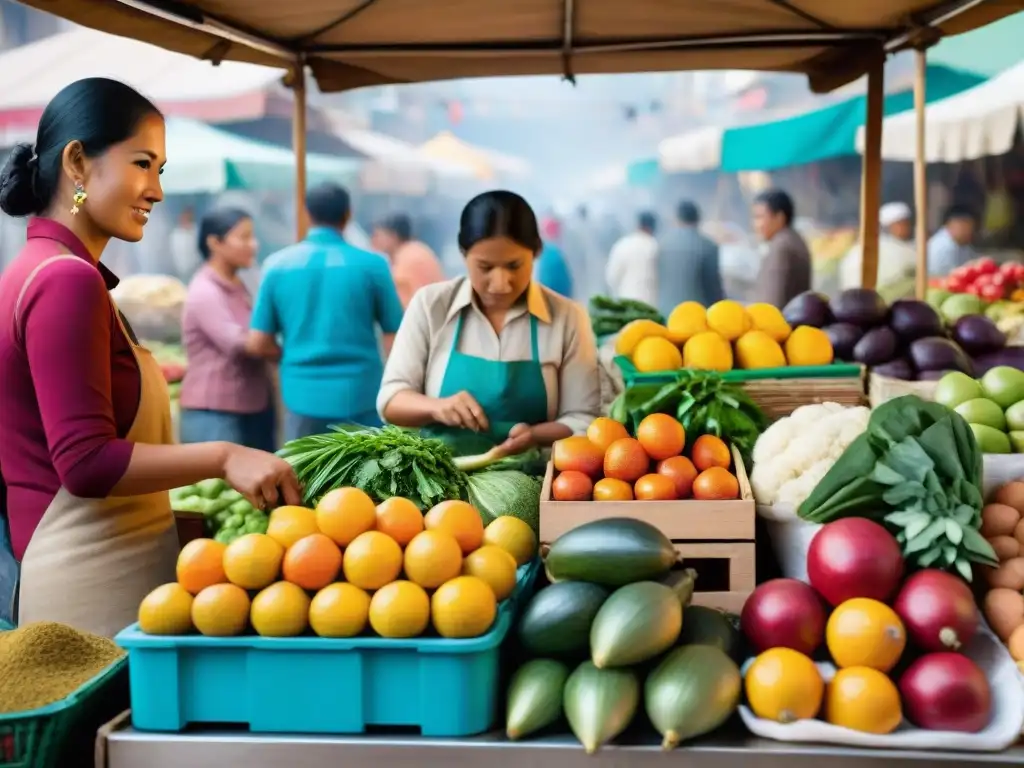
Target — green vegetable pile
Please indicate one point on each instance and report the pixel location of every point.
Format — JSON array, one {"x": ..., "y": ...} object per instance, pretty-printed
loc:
[
  {"x": 704, "y": 404},
  {"x": 608, "y": 316},
  {"x": 227, "y": 515},
  {"x": 917, "y": 468}
]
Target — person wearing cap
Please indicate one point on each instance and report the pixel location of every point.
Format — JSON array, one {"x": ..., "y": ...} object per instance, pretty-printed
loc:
[
  {"x": 413, "y": 263},
  {"x": 897, "y": 257}
]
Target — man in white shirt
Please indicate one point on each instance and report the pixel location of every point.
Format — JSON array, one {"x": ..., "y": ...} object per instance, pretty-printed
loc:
[
  {"x": 632, "y": 271},
  {"x": 897, "y": 256}
]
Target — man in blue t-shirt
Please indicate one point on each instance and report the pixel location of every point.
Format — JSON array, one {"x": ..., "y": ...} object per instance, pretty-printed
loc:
[
  {"x": 324, "y": 302},
  {"x": 549, "y": 267}
]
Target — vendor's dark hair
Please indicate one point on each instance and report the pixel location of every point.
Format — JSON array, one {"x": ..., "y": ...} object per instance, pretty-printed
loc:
[
  {"x": 778, "y": 201},
  {"x": 499, "y": 213},
  {"x": 97, "y": 112},
  {"x": 217, "y": 223}
]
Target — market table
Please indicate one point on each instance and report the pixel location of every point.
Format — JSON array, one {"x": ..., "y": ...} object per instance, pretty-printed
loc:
[{"x": 120, "y": 746}]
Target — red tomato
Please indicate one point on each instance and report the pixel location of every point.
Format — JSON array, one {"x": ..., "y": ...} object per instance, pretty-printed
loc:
[
  {"x": 998, "y": 279},
  {"x": 986, "y": 265},
  {"x": 1018, "y": 272},
  {"x": 971, "y": 272},
  {"x": 1007, "y": 268},
  {"x": 974, "y": 289},
  {"x": 991, "y": 292},
  {"x": 983, "y": 280},
  {"x": 955, "y": 284}
]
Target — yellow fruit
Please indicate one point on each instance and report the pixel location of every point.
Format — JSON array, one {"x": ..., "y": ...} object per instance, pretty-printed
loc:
[
  {"x": 708, "y": 351},
  {"x": 768, "y": 318},
  {"x": 729, "y": 319},
  {"x": 493, "y": 565},
  {"x": 863, "y": 699},
  {"x": 865, "y": 633},
  {"x": 221, "y": 610},
  {"x": 756, "y": 349},
  {"x": 201, "y": 564},
  {"x": 344, "y": 513},
  {"x": 784, "y": 685},
  {"x": 514, "y": 536},
  {"x": 167, "y": 610},
  {"x": 460, "y": 519},
  {"x": 253, "y": 561},
  {"x": 432, "y": 558},
  {"x": 280, "y": 610},
  {"x": 400, "y": 519},
  {"x": 808, "y": 346},
  {"x": 463, "y": 607},
  {"x": 687, "y": 320},
  {"x": 657, "y": 354},
  {"x": 372, "y": 560},
  {"x": 634, "y": 332},
  {"x": 339, "y": 610},
  {"x": 401, "y": 609},
  {"x": 289, "y": 524}
]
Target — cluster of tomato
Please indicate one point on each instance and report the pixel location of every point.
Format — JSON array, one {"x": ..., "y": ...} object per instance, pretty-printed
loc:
[{"x": 986, "y": 279}]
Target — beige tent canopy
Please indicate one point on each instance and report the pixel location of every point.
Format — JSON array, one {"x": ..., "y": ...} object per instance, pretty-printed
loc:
[{"x": 485, "y": 164}]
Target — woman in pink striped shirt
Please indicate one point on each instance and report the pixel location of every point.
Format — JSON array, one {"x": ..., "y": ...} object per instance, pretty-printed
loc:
[{"x": 226, "y": 393}]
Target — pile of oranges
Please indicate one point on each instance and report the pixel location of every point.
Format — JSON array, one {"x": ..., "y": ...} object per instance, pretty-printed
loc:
[
  {"x": 610, "y": 465},
  {"x": 344, "y": 567}
]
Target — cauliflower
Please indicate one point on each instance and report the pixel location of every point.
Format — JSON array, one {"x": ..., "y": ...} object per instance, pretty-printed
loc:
[{"x": 793, "y": 455}]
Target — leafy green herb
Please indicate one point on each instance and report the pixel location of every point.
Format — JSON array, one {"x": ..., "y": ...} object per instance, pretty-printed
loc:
[{"x": 608, "y": 316}]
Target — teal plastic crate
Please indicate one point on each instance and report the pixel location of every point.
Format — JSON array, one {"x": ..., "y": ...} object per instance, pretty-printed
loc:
[
  {"x": 834, "y": 371},
  {"x": 319, "y": 685}
]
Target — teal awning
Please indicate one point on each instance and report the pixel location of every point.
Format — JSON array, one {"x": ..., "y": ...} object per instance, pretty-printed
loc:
[
  {"x": 825, "y": 133},
  {"x": 643, "y": 173}
]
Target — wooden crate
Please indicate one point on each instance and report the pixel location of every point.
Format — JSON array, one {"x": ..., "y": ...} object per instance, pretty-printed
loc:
[
  {"x": 714, "y": 537},
  {"x": 190, "y": 526}
]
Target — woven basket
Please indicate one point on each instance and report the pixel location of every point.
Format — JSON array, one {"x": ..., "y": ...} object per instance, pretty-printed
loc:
[
  {"x": 882, "y": 389},
  {"x": 780, "y": 397}
]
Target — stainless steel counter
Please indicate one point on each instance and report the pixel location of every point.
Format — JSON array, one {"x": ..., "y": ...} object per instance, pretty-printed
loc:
[{"x": 126, "y": 748}]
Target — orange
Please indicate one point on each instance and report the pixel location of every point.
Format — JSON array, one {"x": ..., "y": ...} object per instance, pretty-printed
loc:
[
  {"x": 344, "y": 513},
  {"x": 661, "y": 436},
  {"x": 432, "y": 558},
  {"x": 681, "y": 472},
  {"x": 463, "y": 607},
  {"x": 253, "y": 561},
  {"x": 201, "y": 564},
  {"x": 610, "y": 489},
  {"x": 716, "y": 484},
  {"x": 572, "y": 486},
  {"x": 578, "y": 453},
  {"x": 783, "y": 685},
  {"x": 280, "y": 610},
  {"x": 863, "y": 699},
  {"x": 339, "y": 610},
  {"x": 167, "y": 610},
  {"x": 461, "y": 520},
  {"x": 626, "y": 460},
  {"x": 603, "y": 431},
  {"x": 865, "y": 633},
  {"x": 655, "y": 487},
  {"x": 289, "y": 524},
  {"x": 493, "y": 565},
  {"x": 400, "y": 519},
  {"x": 372, "y": 560},
  {"x": 710, "y": 451},
  {"x": 221, "y": 610},
  {"x": 312, "y": 562},
  {"x": 401, "y": 609}
]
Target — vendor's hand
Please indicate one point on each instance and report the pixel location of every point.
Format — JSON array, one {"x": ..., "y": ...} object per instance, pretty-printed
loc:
[
  {"x": 520, "y": 438},
  {"x": 263, "y": 478},
  {"x": 461, "y": 410}
]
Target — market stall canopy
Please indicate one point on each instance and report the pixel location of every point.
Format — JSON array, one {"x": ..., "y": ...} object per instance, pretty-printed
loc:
[
  {"x": 806, "y": 138},
  {"x": 396, "y": 166},
  {"x": 202, "y": 159},
  {"x": 976, "y": 123},
  {"x": 353, "y": 43},
  {"x": 31, "y": 75},
  {"x": 485, "y": 164}
]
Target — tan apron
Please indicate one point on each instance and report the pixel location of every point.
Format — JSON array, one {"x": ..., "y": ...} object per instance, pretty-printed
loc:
[{"x": 91, "y": 561}]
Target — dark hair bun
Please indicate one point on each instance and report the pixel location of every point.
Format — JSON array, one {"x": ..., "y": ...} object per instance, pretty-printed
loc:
[{"x": 17, "y": 183}]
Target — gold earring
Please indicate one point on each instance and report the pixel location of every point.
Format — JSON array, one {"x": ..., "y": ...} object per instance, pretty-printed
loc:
[{"x": 78, "y": 198}]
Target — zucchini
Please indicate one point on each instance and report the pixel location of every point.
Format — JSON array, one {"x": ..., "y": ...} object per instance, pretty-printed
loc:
[
  {"x": 611, "y": 552},
  {"x": 535, "y": 697},
  {"x": 693, "y": 691},
  {"x": 707, "y": 626},
  {"x": 600, "y": 703},
  {"x": 635, "y": 624},
  {"x": 556, "y": 622}
]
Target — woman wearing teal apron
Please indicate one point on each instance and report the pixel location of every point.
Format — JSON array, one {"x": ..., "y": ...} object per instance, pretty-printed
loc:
[{"x": 493, "y": 358}]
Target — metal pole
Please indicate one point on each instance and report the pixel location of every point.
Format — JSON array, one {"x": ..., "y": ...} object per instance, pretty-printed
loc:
[
  {"x": 921, "y": 175},
  {"x": 871, "y": 174}
]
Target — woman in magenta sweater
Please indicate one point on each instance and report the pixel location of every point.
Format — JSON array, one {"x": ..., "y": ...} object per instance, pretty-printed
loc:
[{"x": 86, "y": 450}]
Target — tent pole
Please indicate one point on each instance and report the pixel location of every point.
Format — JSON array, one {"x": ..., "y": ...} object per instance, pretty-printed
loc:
[
  {"x": 299, "y": 146},
  {"x": 921, "y": 175},
  {"x": 871, "y": 174}
]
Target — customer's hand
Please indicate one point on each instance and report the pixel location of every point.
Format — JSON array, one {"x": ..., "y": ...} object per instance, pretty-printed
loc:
[
  {"x": 461, "y": 410},
  {"x": 520, "y": 438},
  {"x": 263, "y": 478}
]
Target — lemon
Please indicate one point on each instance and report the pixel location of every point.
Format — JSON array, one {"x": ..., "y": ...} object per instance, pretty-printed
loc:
[
  {"x": 221, "y": 610},
  {"x": 768, "y": 318},
  {"x": 463, "y": 607},
  {"x": 657, "y": 354},
  {"x": 253, "y": 561},
  {"x": 167, "y": 610},
  {"x": 708, "y": 351},
  {"x": 400, "y": 609},
  {"x": 372, "y": 560},
  {"x": 729, "y": 319},
  {"x": 514, "y": 536},
  {"x": 493, "y": 565},
  {"x": 339, "y": 610},
  {"x": 756, "y": 349},
  {"x": 687, "y": 320},
  {"x": 433, "y": 557},
  {"x": 808, "y": 346},
  {"x": 280, "y": 610},
  {"x": 289, "y": 524}
]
